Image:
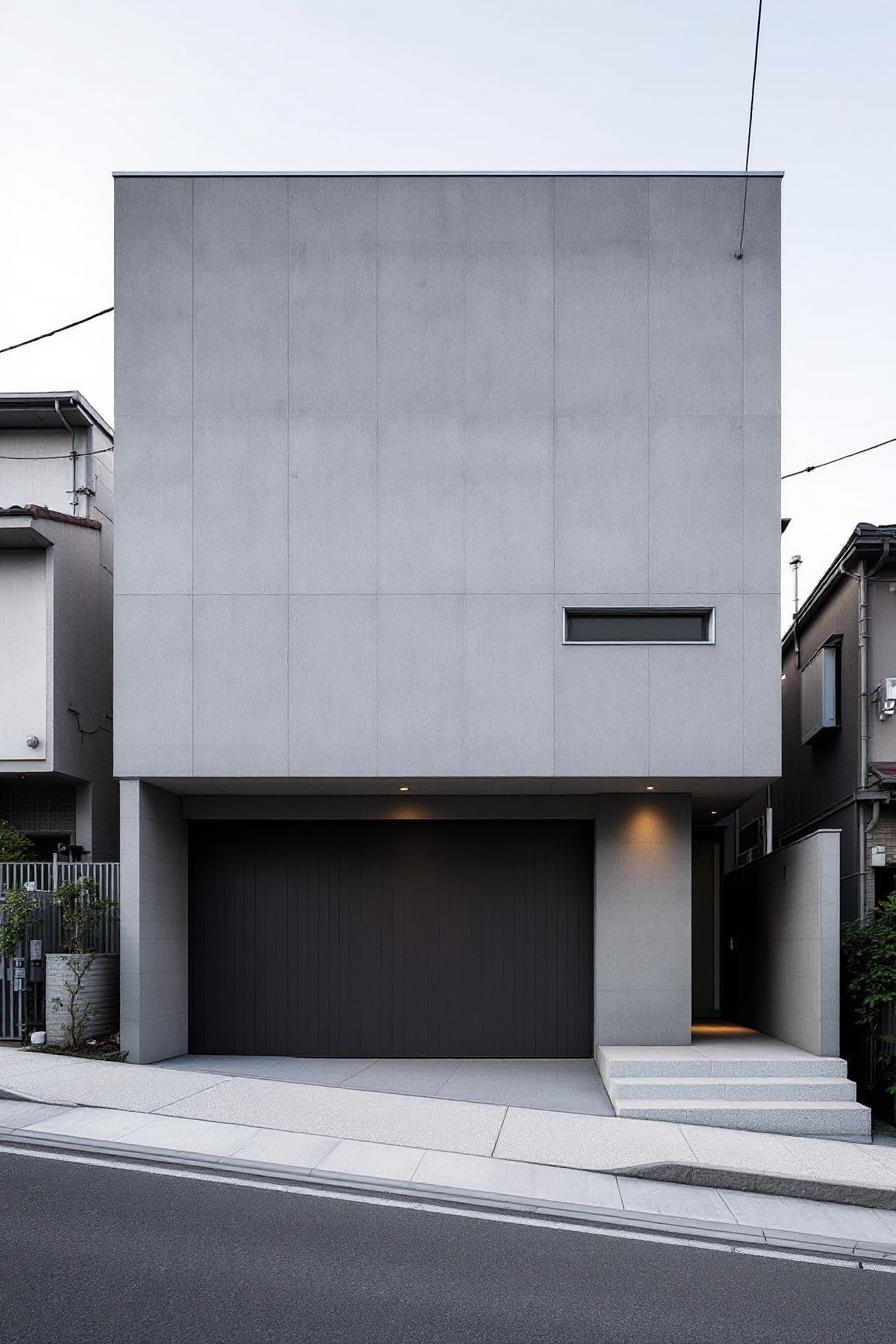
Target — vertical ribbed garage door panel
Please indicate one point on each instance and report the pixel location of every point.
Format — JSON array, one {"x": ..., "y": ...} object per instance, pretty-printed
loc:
[{"x": 402, "y": 939}]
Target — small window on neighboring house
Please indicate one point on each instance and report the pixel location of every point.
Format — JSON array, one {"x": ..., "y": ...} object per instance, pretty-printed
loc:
[
  {"x": 638, "y": 625},
  {"x": 820, "y": 693}
]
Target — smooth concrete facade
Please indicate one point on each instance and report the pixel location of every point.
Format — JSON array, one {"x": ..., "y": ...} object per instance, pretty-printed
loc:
[
  {"x": 784, "y": 915},
  {"x": 642, "y": 920},
  {"x": 374, "y": 434},
  {"x": 154, "y": 1004}
]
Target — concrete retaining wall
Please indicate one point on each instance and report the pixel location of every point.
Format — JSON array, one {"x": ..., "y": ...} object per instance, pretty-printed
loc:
[{"x": 783, "y": 913}]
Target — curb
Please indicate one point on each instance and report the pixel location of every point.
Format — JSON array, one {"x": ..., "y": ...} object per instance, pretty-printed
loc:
[
  {"x": 663, "y": 1226},
  {"x": 675, "y": 1173}
]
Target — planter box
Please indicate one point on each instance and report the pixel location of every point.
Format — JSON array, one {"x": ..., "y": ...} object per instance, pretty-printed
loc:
[{"x": 99, "y": 992}]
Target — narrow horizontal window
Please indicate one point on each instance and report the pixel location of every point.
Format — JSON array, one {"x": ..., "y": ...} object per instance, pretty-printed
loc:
[{"x": 639, "y": 625}]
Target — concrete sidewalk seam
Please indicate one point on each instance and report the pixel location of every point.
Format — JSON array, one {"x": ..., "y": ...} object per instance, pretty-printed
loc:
[{"x": 696, "y": 1231}]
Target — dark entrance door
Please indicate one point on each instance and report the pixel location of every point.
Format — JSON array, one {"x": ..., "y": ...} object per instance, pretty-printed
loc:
[{"x": 393, "y": 939}]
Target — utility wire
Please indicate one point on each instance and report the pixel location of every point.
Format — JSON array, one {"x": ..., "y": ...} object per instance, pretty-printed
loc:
[
  {"x": 51, "y": 457},
  {"x": 831, "y": 460},
  {"x": 43, "y": 336},
  {"x": 743, "y": 220}
]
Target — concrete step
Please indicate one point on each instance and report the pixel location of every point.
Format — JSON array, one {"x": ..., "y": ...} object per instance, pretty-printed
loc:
[
  {"x": 681, "y": 1062},
  {"x": 820, "y": 1119},
  {"x": 733, "y": 1089}
]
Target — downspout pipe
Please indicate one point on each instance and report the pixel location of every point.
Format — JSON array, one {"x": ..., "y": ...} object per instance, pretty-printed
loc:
[
  {"x": 864, "y": 576},
  {"x": 74, "y": 455}
]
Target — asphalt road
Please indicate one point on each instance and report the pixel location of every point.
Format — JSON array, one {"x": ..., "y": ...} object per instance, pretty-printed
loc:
[{"x": 91, "y": 1253}]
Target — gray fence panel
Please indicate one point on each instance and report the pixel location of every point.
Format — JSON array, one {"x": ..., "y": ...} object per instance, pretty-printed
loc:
[{"x": 44, "y": 879}]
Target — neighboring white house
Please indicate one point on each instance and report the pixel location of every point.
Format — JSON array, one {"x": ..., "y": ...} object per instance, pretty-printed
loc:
[{"x": 56, "y": 494}]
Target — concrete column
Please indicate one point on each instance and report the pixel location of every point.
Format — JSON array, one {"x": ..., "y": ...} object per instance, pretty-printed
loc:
[
  {"x": 642, "y": 920},
  {"x": 153, "y": 923}
]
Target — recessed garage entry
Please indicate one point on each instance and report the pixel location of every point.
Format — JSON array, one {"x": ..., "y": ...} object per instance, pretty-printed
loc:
[{"x": 392, "y": 939}]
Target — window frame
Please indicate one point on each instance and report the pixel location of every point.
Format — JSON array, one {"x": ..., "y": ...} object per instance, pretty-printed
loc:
[{"x": 708, "y": 614}]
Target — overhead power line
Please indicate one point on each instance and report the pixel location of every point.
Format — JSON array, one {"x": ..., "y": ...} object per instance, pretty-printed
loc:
[
  {"x": 743, "y": 219},
  {"x": 56, "y": 330},
  {"x": 842, "y": 458},
  {"x": 50, "y": 457}
]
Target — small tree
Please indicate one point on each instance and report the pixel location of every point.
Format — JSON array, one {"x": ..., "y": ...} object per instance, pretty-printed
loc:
[
  {"x": 18, "y": 909},
  {"x": 81, "y": 908},
  {"x": 14, "y": 846},
  {"x": 869, "y": 954}
]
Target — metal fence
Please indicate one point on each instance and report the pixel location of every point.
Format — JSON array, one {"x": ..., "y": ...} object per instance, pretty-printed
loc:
[{"x": 22, "y": 979}]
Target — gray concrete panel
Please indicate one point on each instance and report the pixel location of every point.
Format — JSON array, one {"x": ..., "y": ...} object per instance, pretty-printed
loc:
[
  {"x": 155, "y": 462},
  {"x": 786, "y": 909},
  {"x": 509, "y": 318},
  {"x": 601, "y": 718},
  {"x": 333, "y": 685},
  {"x": 421, "y": 210},
  {"x": 762, "y": 686},
  {"x": 696, "y": 330},
  {"x": 601, "y": 525},
  {"x": 592, "y": 210},
  {"x": 694, "y": 704},
  {"x": 240, "y": 685},
  {"x": 762, "y": 327},
  {"x": 332, "y": 504},
  {"x": 508, "y": 496},
  {"x": 516, "y": 210},
  {"x": 509, "y": 676},
  {"x": 240, "y": 504},
  {"x": 762, "y": 503},
  {"x": 697, "y": 210},
  {"x": 420, "y": 504},
  {"x": 422, "y": 710},
  {"x": 154, "y": 993},
  {"x": 240, "y": 296},
  {"x": 332, "y": 295},
  {"x": 153, "y": 685},
  {"x": 601, "y": 324},
  {"x": 422, "y": 333},
  {"x": 696, "y": 505},
  {"x": 153, "y": 297},
  {"x": 642, "y": 920}
]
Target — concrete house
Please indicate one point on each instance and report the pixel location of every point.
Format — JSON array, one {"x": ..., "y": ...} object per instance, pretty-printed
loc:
[
  {"x": 446, "y": 604},
  {"x": 56, "y": 496}
]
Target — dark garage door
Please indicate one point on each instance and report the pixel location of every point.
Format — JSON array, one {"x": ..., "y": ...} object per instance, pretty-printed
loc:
[{"x": 391, "y": 939}]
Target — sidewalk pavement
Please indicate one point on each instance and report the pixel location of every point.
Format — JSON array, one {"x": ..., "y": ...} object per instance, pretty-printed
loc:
[{"x": 666, "y": 1176}]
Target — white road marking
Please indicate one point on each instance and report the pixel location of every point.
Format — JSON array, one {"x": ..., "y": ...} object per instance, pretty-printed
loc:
[{"x": 453, "y": 1211}]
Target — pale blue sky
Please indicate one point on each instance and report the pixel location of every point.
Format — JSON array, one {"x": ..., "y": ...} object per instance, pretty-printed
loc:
[{"x": 99, "y": 85}]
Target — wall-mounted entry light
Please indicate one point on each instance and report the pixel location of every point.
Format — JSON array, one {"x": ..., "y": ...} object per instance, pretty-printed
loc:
[
  {"x": 650, "y": 788},
  {"x": 404, "y": 788}
]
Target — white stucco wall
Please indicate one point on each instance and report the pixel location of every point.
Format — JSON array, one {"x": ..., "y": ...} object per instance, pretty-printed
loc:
[{"x": 23, "y": 654}]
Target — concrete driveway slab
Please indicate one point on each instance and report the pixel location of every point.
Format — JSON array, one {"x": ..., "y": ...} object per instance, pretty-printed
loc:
[
  {"x": 420, "y": 1122},
  {"x": 90, "y": 1122},
  {"x": 274, "y": 1148},
  {"x": 376, "y": 1161},
  {"x": 807, "y": 1215},
  {"x": 541, "y": 1084},
  {"x": 186, "y": 1136},
  {"x": 15, "y": 1114},
  {"x": 681, "y": 1201},
  {"x": 406, "y": 1077},
  {"x": 89, "y": 1082},
  {"x": 591, "y": 1142},
  {"x": 518, "y": 1180}
]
